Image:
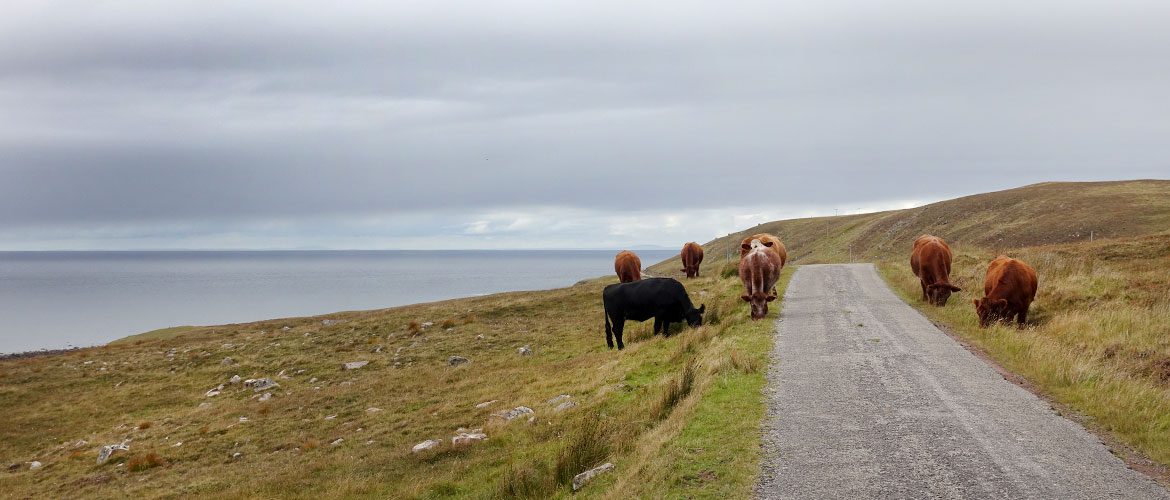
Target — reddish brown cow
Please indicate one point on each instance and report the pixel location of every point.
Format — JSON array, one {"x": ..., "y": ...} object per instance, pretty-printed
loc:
[
  {"x": 759, "y": 269},
  {"x": 692, "y": 256},
  {"x": 628, "y": 266},
  {"x": 1010, "y": 287},
  {"x": 931, "y": 262},
  {"x": 773, "y": 243}
]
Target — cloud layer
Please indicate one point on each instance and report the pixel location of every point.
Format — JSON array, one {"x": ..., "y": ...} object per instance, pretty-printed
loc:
[{"x": 284, "y": 124}]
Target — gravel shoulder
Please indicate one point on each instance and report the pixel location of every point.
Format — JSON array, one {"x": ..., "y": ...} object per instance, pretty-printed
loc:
[{"x": 868, "y": 399}]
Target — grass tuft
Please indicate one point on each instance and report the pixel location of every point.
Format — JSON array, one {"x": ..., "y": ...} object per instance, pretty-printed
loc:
[{"x": 145, "y": 461}]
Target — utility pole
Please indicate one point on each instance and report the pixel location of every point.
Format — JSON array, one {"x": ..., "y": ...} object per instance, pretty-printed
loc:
[{"x": 1090, "y": 236}]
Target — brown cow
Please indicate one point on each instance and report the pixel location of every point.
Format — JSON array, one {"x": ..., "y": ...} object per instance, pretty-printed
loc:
[
  {"x": 931, "y": 262},
  {"x": 771, "y": 242},
  {"x": 759, "y": 269},
  {"x": 628, "y": 266},
  {"x": 1010, "y": 287},
  {"x": 692, "y": 256}
]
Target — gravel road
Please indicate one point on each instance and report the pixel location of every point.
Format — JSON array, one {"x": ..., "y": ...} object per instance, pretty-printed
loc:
[{"x": 867, "y": 399}]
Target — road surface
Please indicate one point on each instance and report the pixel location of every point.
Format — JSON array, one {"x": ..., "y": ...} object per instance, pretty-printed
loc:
[{"x": 867, "y": 399}]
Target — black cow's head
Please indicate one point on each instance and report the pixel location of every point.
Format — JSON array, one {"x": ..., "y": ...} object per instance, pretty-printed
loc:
[
  {"x": 990, "y": 310},
  {"x": 938, "y": 293},
  {"x": 695, "y": 316}
]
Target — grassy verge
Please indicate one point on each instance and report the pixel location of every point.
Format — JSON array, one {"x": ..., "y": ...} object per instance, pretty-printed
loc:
[
  {"x": 1098, "y": 338},
  {"x": 331, "y": 432}
]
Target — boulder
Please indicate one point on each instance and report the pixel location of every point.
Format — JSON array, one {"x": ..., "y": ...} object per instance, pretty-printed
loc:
[
  {"x": 259, "y": 384},
  {"x": 34, "y": 465},
  {"x": 468, "y": 437},
  {"x": 108, "y": 450},
  {"x": 337, "y": 442},
  {"x": 515, "y": 413},
  {"x": 457, "y": 360},
  {"x": 214, "y": 391},
  {"x": 580, "y": 480},
  {"x": 234, "y": 380},
  {"x": 354, "y": 365},
  {"x": 564, "y": 406},
  {"x": 429, "y": 444},
  {"x": 485, "y": 404}
]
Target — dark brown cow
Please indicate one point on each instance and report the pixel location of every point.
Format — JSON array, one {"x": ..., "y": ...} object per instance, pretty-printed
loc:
[
  {"x": 931, "y": 262},
  {"x": 1010, "y": 287},
  {"x": 759, "y": 269},
  {"x": 628, "y": 266},
  {"x": 692, "y": 256},
  {"x": 771, "y": 242}
]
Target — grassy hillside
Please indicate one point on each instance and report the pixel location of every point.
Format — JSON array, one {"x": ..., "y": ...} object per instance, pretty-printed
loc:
[
  {"x": 1040, "y": 214},
  {"x": 675, "y": 415},
  {"x": 1099, "y": 334}
]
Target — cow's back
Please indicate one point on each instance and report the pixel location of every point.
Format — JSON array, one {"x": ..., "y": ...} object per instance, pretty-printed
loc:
[
  {"x": 1010, "y": 279},
  {"x": 628, "y": 266},
  {"x": 759, "y": 269},
  {"x": 931, "y": 259},
  {"x": 770, "y": 242}
]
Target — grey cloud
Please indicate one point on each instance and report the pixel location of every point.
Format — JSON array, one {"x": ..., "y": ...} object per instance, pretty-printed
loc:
[{"x": 200, "y": 111}]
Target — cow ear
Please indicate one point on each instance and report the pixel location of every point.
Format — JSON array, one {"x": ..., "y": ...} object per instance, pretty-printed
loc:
[
  {"x": 746, "y": 297},
  {"x": 956, "y": 289},
  {"x": 746, "y": 246},
  {"x": 768, "y": 243},
  {"x": 702, "y": 308},
  {"x": 1001, "y": 302},
  {"x": 976, "y": 302},
  {"x": 771, "y": 298}
]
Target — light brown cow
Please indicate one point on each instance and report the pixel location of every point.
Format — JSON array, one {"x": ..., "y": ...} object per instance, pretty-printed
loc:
[
  {"x": 692, "y": 256},
  {"x": 759, "y": 269},
  {"x": 1009, "y": 288},
  {"x": 628, "y": 266},
  {"x": 931, "y": 262},
  {"x": 771, "y": 242}
]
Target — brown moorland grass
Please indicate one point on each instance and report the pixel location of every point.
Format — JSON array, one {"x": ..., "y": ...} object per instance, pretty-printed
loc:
[{"x": 232, "y": 445}]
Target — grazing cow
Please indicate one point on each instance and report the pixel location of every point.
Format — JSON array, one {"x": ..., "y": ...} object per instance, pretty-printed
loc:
[
  {"x": 628, "y": 266},
  {"x": 931, "y": 262},
  {"x": 1010, "y": 287},
  {"x": 664, "y": 299},
  {"x": 759, "y": 270},
  {"x": 692, "y": 256}
]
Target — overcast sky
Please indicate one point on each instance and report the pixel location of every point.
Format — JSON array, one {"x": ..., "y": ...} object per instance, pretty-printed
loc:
[{"x": 551, "y": 124}]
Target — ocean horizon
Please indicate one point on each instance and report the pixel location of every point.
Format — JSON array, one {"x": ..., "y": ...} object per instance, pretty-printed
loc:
[{"x": 62, "y": 299}]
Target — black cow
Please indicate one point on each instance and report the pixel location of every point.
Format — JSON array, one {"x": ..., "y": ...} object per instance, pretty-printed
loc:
[{"x": 663, "y": 299}]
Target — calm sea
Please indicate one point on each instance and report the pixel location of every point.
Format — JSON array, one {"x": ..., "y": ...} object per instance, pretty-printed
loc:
[{"x": 61, "y": 299}]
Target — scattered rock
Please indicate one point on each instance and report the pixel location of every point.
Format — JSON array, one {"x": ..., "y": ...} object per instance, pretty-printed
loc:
[
  {"x": 485, "y": 404},
  {"x": 524, "y": 351},
  {"x": 265, "y": 397},
  {"x": 479, "y": 337},
  {"x": 373, "y": 410},
  {"x": 259, "y": 384},
  {"x": 176, "y": 445},
  {"x": 80, "y": 444},
  {"x": 34, "y": 465},
  {"x": 285, "y": 328},
  {"x": 564, "y": 406},
  {"x": 214, "y": 391},
  {"x": 228, "y": 346},
  {"x": 515, "y": 413},
  {"x": 281, "y": 375},
  {"x": 580, "y": 480},
  {"x": 238, "y": 454},
  {"x": 337, "y": 441},
  {"x": 108, "y": 450},
  {"x": 330, "y": 417},
  {"x": 559, "y": 399},
  {"x": 328, "y": 322},
  {"x": 13, "y": 467},
  {"x": 457, "y": 360},
  {"x": 313, "y": 380},
  {"x": 429, "y": 444},
  {"x": 204, "y": 405},
  {"x": 428, "y": 324},
  {"x": 243, "y": 419},
  {"x": 227, "y": 361},
  {"x": 468, "y": 437},
  {"x": 354, "y": 365},
  {"x": 234, "y": 380}
]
